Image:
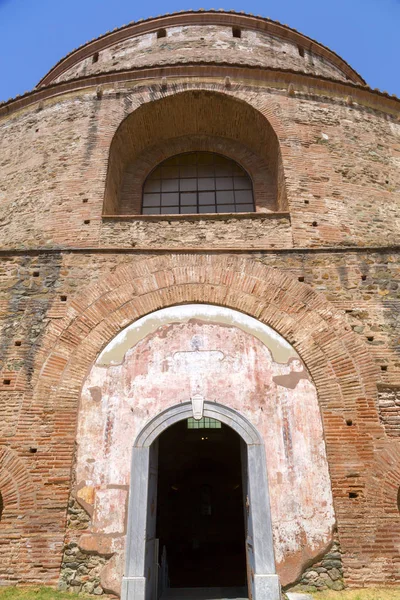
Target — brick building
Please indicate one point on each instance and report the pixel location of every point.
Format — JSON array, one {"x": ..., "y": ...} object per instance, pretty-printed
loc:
[{"x": 200, "y": 315}]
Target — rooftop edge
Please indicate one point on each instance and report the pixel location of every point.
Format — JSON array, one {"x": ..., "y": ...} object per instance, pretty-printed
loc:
[{"x": 219, "y": 17}]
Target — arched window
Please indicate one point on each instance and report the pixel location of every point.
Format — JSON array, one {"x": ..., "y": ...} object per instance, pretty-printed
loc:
[{"x": 197, "y": 182}]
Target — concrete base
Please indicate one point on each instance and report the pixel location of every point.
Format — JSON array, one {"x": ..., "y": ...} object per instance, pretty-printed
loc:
[
  {"x": 266, "y": 587},
  {"x": 133, "y": 588}
]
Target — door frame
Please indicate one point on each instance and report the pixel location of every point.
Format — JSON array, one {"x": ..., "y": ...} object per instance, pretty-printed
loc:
[{"x": 265, "y": 581}]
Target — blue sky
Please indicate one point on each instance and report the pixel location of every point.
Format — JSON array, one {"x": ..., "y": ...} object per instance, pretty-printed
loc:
[{"x": 35, "y": 34}]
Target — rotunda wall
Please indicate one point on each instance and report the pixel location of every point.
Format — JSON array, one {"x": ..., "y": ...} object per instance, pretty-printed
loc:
[
  {"x": 207, "y": 43},
  {"x": 340, "y": 167},
  {"x": 320, "y": 267}
]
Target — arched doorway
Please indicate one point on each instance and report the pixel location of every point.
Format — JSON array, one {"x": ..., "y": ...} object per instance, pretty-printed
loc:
[
  {"x": 139, "y": 582},
  {"x": 161, "y": 361},
  {"x": 200, "y": 507}
]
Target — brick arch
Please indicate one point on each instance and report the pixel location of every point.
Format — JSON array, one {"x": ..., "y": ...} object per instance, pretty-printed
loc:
[
  {"x": 338, "y": 361},
  {"x": 136, "y": 173},
  {"x": 194, "y": 109},
  {"x": 16, "y": 487},
  {"x": 384, "y": 484},
  {"x": 378, "y": 503},
  {"x": 268, "y": 108}
]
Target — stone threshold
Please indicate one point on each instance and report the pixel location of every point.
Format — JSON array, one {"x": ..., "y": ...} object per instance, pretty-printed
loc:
[{"x": 215, "y": 593}]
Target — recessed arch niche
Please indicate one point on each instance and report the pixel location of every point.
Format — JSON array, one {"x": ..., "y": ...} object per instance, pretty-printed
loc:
[
  {"x": 187, "y": 122},
  {"x": 157, "y": 364}
]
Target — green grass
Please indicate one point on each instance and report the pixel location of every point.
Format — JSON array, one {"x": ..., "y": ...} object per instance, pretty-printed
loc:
[
  {"x": 47, "y": 593},
  {"x": 37, "y": 593}
]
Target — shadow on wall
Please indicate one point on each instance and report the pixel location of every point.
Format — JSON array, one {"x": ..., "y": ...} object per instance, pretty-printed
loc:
[{"x": 187, "y": 122}]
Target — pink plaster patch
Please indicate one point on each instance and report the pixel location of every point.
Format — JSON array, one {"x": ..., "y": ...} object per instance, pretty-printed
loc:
[{"x": 109, "y": 511}]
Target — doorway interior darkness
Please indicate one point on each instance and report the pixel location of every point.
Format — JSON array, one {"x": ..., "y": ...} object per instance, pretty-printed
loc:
[{"x": 200, "y": 515}]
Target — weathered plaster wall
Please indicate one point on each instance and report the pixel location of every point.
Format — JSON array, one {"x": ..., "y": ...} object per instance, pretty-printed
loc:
[
  {"x": 208, "y": 43},
  {"x": 262, "y": 378}
]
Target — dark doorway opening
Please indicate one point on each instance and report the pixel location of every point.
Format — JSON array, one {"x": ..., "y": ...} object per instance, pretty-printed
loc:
[{"x": 200, "y": 515}]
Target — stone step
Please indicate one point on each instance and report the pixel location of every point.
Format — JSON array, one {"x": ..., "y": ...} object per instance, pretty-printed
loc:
[{"x": 216, "y": 593}]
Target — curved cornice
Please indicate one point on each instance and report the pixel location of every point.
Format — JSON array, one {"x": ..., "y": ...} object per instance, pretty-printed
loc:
[
  {"x": 292, "y": 81},
  {"x": 209, "y": 17}
]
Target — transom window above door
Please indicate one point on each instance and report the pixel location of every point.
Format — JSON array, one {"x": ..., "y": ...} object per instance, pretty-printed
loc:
[{"x": 197, "y": 182}]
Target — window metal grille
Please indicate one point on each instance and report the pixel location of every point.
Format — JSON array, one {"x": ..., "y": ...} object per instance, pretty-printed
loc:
[
  {"x": 197, "y": 182},
  {"x": 204, "y": 423}
]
